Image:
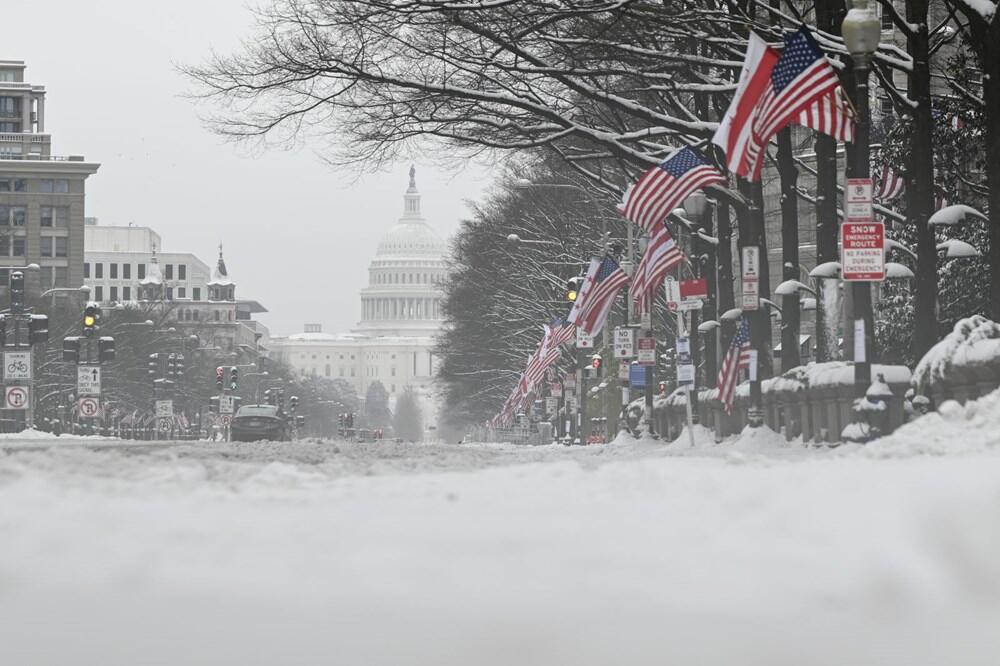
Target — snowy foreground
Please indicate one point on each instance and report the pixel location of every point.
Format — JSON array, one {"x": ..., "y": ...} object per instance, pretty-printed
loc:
[{"x": 631, "y": 553}]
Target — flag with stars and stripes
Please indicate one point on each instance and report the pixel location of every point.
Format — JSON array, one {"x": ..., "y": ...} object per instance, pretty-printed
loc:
[
  {"x": 665, "y": 186},
  {"x": 603, "y": 282},
  {"x": 737, "y": 358},
  {"x": 661, "y": 255},
  {"x": 801, "y": 77},
  {"x": 831, "y": 115}
]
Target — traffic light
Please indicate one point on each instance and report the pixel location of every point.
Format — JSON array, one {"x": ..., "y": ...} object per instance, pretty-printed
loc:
[
  {"x": 16, "y": 291},
  {"x": 170, "y": 364},
  {"x": 234, "y": 378},
  {"x": 220, "y": 377},
  {"x": 106, "y": 349},
  {"x": 341, "y": 422},
  {"x": 268, "y": 397},
  {"x": 179, "y": 365},
  {"x": 154, "y": 365},
  {"x": 71, "y": 349},
  {"x": 350, "y": 419},
  {"x": 573, "y": 289},
  {"x": 91, "y": 316},
  {"x": 38, "y": 329},
  {"x": 293, "y": 403}
]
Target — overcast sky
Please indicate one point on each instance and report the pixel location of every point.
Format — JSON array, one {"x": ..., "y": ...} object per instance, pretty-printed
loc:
[{"x": 298, "y": 235}]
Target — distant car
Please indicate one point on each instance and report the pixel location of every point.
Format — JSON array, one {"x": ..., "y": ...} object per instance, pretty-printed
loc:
[{"x": 257, "y": 422}]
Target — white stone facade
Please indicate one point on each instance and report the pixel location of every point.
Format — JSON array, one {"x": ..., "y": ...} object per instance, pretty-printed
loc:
[{"x": 400, "y": 316}]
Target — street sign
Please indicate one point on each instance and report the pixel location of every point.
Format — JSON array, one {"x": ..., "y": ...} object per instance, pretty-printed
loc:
[
  {"x": 163, "y": 424},
  {"x": 863, "y": 251},
  {"x": 571, "y": 404},
  {"x": 551, "y": 405},
  {"x": 569, "y": 383},
  {"x": 624, "y": 342},
  {"x": 226, "y": 404},
  {"x": 583, "y": 340},
  {"x": 17, "y": 397},
  {"x": 673, "y": 289},
  {"x": 858, "y": 200},
  {"x": 164, "y": 408},
  {"x": 88, "y": 380},
  {"x": 685, "y": 369},
  {"x": 623, "y": 370},
  {"x": 694, "y": 304},
  {"x": 694, "y": 289},
  {"x": 225, "y": 420},
  {"x": 555, "y": 390},
  {"x": 17, "y": 365},
  {"x": 647, "y": 351},
  {"x": 637, "y": 376},
  {"x": 89, "y": 408},
  {"x": 646, "y": 321},
  {"x": 750, "y": 277}
]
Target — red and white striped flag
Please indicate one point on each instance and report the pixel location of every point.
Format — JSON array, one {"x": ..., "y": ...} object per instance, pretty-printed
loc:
[
  {"x": 661, "y": 255},
  {"x": 737, "y": 358},
  {"x": 889, "y": 186},
  {"x": 662, "y": 188},
  {"x": 603, "y": 282},
  {"x": 830, "y": 114}
]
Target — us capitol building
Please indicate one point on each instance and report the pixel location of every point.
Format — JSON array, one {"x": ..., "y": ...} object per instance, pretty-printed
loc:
[{"x": 400, "y": 315}]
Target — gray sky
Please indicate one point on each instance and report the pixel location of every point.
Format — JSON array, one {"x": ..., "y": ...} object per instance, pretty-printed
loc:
[{"x": 298, "y": 236}]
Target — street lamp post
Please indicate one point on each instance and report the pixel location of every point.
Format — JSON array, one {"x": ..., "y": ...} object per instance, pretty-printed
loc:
[{"x": 861, "y": 29}]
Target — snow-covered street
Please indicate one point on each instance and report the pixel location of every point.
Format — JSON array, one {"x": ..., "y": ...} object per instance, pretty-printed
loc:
[{"x": 321, "y": 552}]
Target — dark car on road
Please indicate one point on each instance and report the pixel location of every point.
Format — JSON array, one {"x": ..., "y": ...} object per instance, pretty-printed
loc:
[{"x": 257, "y": 422}]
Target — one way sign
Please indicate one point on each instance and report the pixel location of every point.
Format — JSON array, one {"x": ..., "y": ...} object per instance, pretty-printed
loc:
[{"x": 88, "y": 380}]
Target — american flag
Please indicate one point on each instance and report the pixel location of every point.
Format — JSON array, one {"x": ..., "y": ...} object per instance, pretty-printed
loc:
[
  {"x": 889, "y": 185},
  {"x": 661, "y": 255},
  {"x": 800, "y": 78},
  {"x": 830, "y": 114},
  {"x": 737, "y": 358},
  {"x": 603, "y": 282},
  {"x": 662, "y": 188}
]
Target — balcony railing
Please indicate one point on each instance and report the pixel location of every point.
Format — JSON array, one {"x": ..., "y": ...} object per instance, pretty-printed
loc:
[
  {"x": 41, "y": 158},
  {"x": 16, "y": 137}
]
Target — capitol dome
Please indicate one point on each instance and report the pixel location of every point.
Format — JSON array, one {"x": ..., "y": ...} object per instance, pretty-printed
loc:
[{"x": 403, "y": 296}]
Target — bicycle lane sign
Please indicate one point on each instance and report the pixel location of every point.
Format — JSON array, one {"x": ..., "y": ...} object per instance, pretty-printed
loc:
[{"x": 17, "y": 365}]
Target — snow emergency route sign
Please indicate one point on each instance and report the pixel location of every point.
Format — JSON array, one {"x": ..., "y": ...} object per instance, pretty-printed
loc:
[{"x": 863, "y": 246}]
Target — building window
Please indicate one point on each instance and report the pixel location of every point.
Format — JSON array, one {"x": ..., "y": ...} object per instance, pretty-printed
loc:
[
  {"x": 98, "y": 271},
  {"x": 140, "y": 271},
  {"x": 62, "y": 246},
  {"x": 127, "y": 271},
  {"x": 169, "y": 271},
  {"x": 13, "y": 216},
  {"x": 18, "y": 247},
  {"x": 886, "y": 19},
  {"x": 62, "y": 276},
  {"x": 126, "y": 293},
  {"x": 196, "y": 315},
  {"x": 45, "y": 277},
  {"x": 352, "y": 372},
  {"x": 13, "y": 185},
  {"x": 327, "y": 369},
  {"x": 218, "y": 317},
  {"x": 55, "y": 216},
  {"x": 181, "y": 272},
  {"x": 113, "y": 271},
  {"x": 86, "y": 270},
  {"x": 113, "y": 293},
  {"x": 45, "y": 246},
  {"x": 181, "y": 292},
  {"x": 170, "y": 293},
  {"x": 393, "y": 388},
  {"x": 62, "y": 186},
  {"x": 57, "y": 186},
  {"x": 341, "y": 372},
  {"x": 393, "y": 371},
  {"x": 196, "y": 293},
  {"x": 98, "y": 293}
]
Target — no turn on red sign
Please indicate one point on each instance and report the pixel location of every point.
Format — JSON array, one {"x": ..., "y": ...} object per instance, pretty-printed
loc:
[
  {"x": 89, "y": 408},
  {"x": 863, "y": 245},
  {"x": 17, "y": 397}
]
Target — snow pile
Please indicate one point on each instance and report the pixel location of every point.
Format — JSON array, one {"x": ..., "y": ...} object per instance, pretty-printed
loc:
[
  {"x": 760, "y": 440},
  {"x": 703, "y": 438},
  {"x": 973, "y": 341},
  {"x": 970, "y": 428},
  {"x": 33, "y": 435}
]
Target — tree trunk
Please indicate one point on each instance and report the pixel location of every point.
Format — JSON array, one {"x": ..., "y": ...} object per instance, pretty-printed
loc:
[
  {"x": 920, "y": 181},
  {"x": 789, "y": 175}
]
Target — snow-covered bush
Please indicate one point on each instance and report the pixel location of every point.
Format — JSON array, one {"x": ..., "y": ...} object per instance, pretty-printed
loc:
[{"x": 975, "y": 341}]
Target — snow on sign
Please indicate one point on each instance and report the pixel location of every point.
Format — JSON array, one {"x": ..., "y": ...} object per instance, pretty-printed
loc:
[
  {"x": 89, "y": 408},
  {"x": 16, "y": 397},
  {"x": 863, "y": 246},
  {"x": 624, "y": 342},
  {"x": 751, "y": 277},
  {"x": 858, "y": 200},
  {"x": 88, "y": 380},
  {"x": 17, "y": 365},
  {"x": 583, "y": 340}
]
